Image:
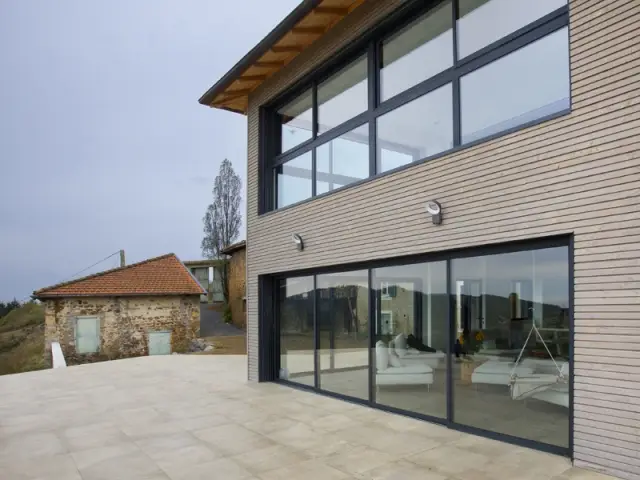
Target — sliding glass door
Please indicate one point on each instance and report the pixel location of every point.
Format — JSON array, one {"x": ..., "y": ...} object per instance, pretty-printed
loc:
[
  {"x": 296, "y": 337},
  {"x": 343, "y": 327},
  {"x": 411, "y": 318},
  {"x": 512, "y": 324},
  {"x": 480, "y": 341}
]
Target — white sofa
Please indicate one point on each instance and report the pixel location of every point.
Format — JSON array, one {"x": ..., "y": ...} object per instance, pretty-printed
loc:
[
  {"x": 400, "y": 374},
  {"x": 411, "y": 356}
]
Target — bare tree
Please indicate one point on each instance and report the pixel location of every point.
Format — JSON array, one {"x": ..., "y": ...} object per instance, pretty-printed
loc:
[{"x": 222, "y": 219}]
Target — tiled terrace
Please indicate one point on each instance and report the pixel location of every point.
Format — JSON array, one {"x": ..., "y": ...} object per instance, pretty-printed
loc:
[{"x": 195, "y": 417}]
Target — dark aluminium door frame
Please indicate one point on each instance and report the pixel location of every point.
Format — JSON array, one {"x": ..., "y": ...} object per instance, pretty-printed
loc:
[{"x": 268, "y": 328}]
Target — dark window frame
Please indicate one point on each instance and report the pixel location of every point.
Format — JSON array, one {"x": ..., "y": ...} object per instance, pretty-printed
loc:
[
  {"x": 270, "y": 353},
  {"x": 370, "y": 45}
]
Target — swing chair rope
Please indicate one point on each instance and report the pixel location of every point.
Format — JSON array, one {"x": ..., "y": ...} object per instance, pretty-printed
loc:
[{"x": 515, "y": 365}]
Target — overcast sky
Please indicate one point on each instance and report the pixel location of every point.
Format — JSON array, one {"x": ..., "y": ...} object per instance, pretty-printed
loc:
[{"x": 103, "y": 144}]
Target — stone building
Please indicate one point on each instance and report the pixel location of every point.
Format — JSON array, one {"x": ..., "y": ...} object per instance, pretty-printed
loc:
[
  {"x": 147, "y": 308},
  {"x": 237, "y": 282}
]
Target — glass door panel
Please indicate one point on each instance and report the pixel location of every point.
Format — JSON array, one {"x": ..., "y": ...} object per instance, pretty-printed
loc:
[
  {"x": 511, "y": 374},
  {"x": 411, "y": 318},
  {"x": 343, "y": 323}
]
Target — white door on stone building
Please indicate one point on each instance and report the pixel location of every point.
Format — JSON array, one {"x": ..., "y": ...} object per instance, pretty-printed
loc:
[
  {"x": 87, "y": 334},
  {"x": 159, "y": 343}
]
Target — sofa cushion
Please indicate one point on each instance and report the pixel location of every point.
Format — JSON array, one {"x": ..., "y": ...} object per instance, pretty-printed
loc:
[
  {"x": 400, "y": 342},
  {"x": 407, "y": 370},
  {"x": 394, "y": 360},
  {"x": 382, "y": 356}
]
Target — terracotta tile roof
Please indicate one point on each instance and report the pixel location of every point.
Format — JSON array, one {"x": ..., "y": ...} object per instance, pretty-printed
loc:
[{"x": 165, "y": 275}]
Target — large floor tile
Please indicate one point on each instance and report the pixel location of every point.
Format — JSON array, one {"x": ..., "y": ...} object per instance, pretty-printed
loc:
[
  {"x": 233, "y": 439},
  {"x": 401, "y": 470},
  {"x": 359, "y": 459},
  {"x": 31, "y": 445},
  {"x": 223, "y": 468},
  {"x": 57, "y": 467},
  {"x": 309, "y": 470},
  {"x": 92, "y": 436},
  {"x": 278, "y": 456},
  {"x": 132, "y": 466}
]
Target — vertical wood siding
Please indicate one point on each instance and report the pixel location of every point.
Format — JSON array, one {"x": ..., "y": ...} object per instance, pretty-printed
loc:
[{"x": 576, "y": 174}]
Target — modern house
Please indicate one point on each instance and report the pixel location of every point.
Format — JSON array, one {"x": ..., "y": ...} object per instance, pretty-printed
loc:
[
  {"x": 207, "y": 272},
  {"x": 444, "y": 214},
  {"x": 237, "y": 268},
  {"x": 146, "y": 308}
]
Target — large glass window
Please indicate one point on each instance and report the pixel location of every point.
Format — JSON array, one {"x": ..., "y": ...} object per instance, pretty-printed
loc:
[
  {"x": 416, "y": 130},
  {"x": 527, "y": 84},
  {"x": 343, "y": 160},
  {"x": 296, "y": 120},
  {"x": 343, "y": 324},
  {"x": 295, "y": 311},
  {"x": 418, "y": 52},
  {"x": 483, "y": 22},
  {"x": 448, "y": 74},
  {"x": 511, "y": 314},
  {"x": 343, "y": 96},
  {"x": 411, "y": 337},
  {"x": 490, "y": 348},
  {"x": 293, "y": 180}
]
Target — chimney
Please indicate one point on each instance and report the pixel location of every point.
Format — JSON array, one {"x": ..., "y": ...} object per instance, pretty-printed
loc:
[{"x": 122, "y": 262}]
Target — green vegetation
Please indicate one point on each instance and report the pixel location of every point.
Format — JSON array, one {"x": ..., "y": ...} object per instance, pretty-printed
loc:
[
  {"x": 22, "y": 339},
  {"x": 6, "y": 307}
]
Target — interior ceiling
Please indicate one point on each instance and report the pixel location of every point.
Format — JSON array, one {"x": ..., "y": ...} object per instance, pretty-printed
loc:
[{"x": 313, "y": 26}]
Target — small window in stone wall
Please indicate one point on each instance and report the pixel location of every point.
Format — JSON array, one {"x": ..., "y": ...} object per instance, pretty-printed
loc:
[{"x": 87, "y": 334}]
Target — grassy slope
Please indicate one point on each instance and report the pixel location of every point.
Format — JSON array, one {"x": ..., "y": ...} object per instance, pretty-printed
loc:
[{"x": 22, "y": 340}]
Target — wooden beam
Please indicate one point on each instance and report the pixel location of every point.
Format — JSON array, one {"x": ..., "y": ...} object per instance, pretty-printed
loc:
[
  {"x": 252, "y": 78},
  {"x": 235, "y": 94},
  {"x": 286, "y": 48},
  {"x": 309, "y": 30},
  {"x": 261, "y": 64},
  {"x": 342, "y": 11}
]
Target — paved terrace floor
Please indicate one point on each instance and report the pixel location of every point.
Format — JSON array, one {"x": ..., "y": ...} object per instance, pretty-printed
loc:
[{"x": 194, "y": 417}]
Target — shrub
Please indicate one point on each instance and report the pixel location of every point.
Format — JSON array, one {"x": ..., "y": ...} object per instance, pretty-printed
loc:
[{"x": 228, "y": 318}]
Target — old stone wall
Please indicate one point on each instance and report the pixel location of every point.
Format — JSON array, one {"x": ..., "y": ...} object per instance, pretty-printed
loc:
[
  {"x": 124, "y": 324},
  {"x": 237, "y": 287}
]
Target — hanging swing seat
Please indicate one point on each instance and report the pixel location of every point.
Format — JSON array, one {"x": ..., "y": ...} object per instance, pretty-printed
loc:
[{"x": 547, "y": 387}]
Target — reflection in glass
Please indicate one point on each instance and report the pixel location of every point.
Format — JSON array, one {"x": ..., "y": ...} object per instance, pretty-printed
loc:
[
  {"x": 525, "y": 85},
  {"x": 343, "y": 160},
  {"x": 508, "y": 306},
  {"x": 296, "y": 121},
  {"x": 343, "y": 322},
  {"x": 295, "y": 309},
  {"x": 416, "y": 130},
  {"x": 418, "y": 52},
  {"x": 293, "y": 180},
  {"x": 504, "y": 16},
  {"x": 411, "y": 321},
  {"x": 343, "y": 96}
]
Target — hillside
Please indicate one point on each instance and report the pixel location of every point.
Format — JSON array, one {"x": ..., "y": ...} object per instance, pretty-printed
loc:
[{"x": 22, "y": 340}]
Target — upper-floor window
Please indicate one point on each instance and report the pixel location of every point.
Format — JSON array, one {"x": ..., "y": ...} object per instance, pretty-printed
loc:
[{"x": 440, "y": 78}]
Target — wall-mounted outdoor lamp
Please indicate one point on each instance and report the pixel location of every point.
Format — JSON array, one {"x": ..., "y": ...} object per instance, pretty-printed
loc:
[
  {"x": 434, "y": 209},
  {"x": 297, "y": 239}
]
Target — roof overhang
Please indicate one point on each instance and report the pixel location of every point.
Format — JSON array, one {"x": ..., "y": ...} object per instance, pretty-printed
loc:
[{"x": 302, "y": 27}]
